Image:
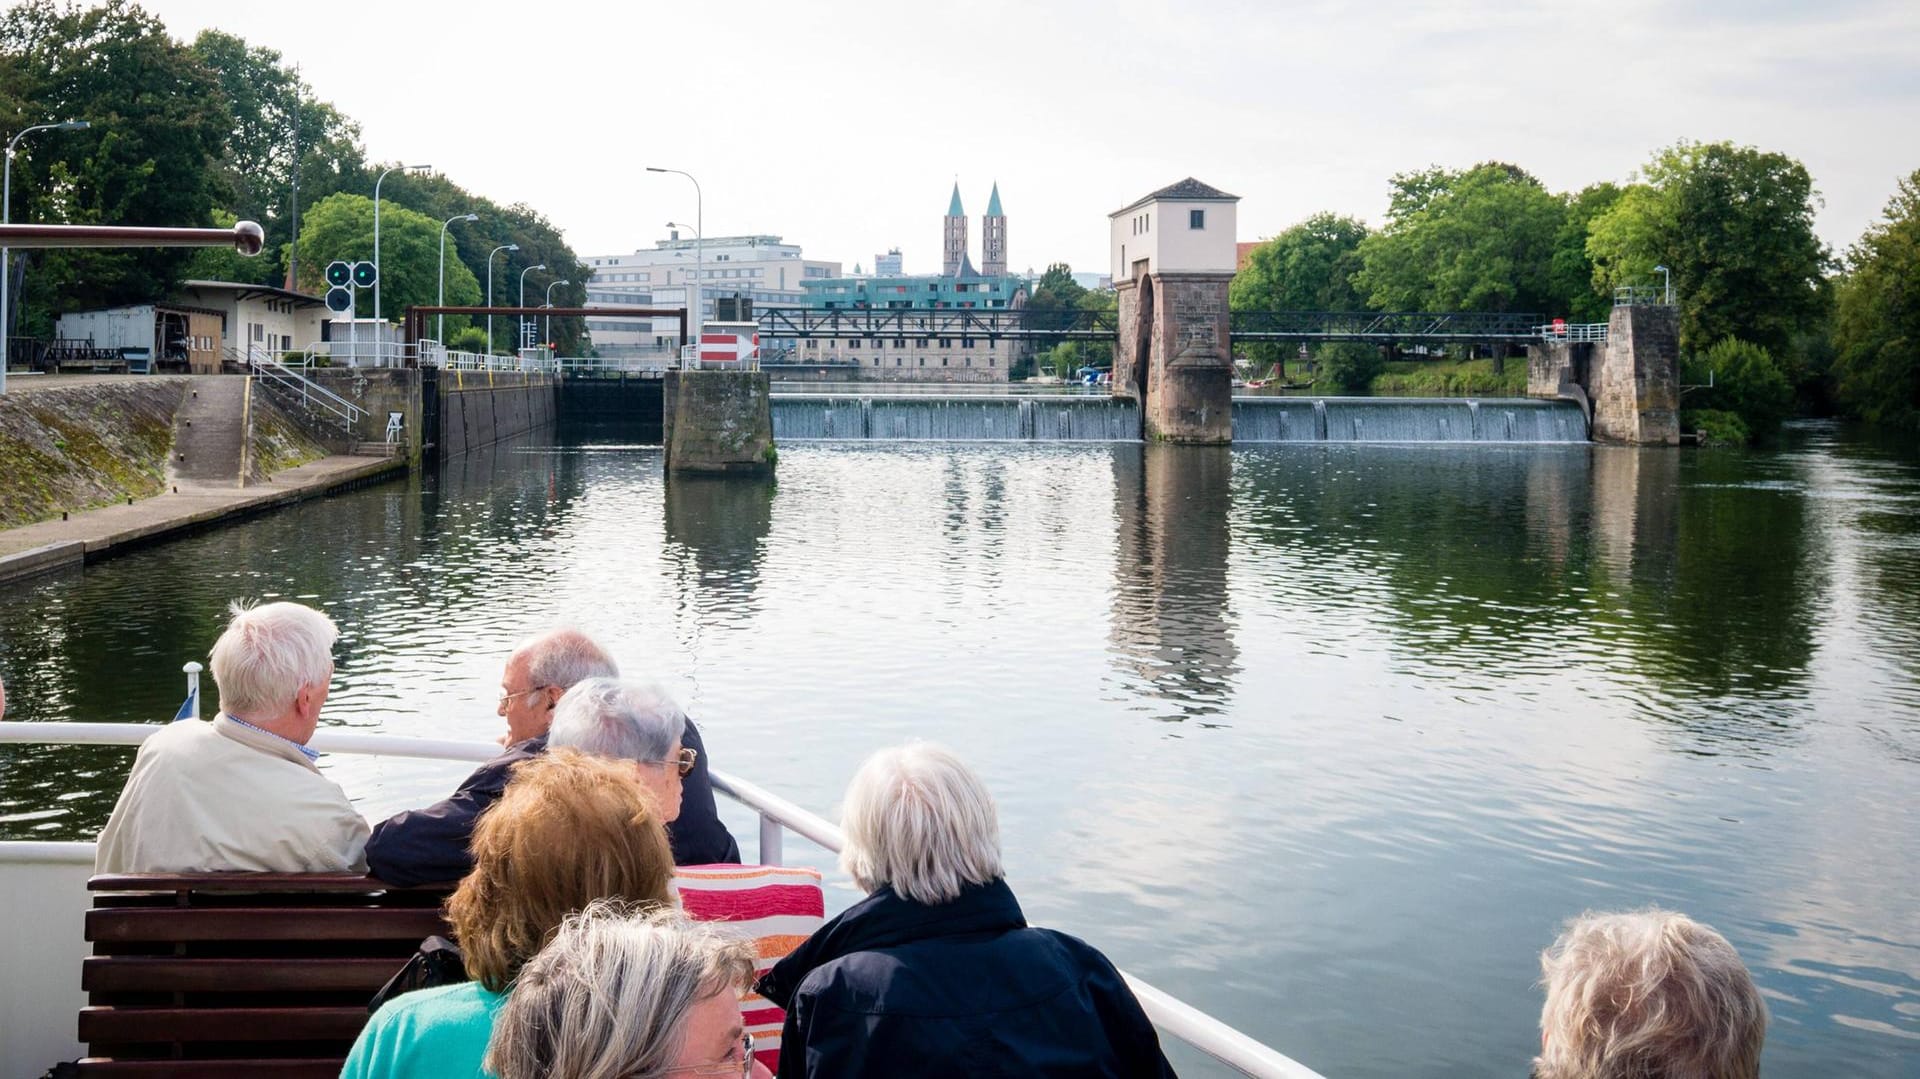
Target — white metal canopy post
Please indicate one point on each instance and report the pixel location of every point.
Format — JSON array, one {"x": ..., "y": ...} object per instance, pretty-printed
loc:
[{"x": 6, "y": 256}]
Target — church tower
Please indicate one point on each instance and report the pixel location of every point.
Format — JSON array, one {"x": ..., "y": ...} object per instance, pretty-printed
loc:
[
  {"x": 954, "y": 254},
  {"x": 993, "y": 238}
]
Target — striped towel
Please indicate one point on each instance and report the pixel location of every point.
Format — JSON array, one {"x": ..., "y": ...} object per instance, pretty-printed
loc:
[{"x": 776, "y": 907}]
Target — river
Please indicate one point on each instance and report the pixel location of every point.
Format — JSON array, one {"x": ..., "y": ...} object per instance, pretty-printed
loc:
[{"x": 1326, "y": 739}]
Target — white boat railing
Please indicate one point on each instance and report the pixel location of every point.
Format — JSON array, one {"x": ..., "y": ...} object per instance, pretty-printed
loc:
[{"x": 778, "y": 816}]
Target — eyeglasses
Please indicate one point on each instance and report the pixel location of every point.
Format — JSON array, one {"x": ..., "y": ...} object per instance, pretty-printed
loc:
[
  {"x": 505, "y": 697},
  {"x": 683, "y": 762},
  {"x": 723, "y": 1067}
]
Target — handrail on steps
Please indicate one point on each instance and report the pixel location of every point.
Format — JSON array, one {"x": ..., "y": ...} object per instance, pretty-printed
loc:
[
  {"x": 1223, "y": 1043},
  {"x": 311, "y": 393}
]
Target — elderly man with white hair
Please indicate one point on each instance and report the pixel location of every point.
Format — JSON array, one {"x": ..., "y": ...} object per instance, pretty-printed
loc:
[
  {"x": 936, "y": 972},
  {"x": 242, "y": 793},
  {"x": 1647, "y": 993},
  {"x": 429, "y": 845}
]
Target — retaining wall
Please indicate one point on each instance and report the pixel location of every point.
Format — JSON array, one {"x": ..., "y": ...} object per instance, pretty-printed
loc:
[{"x": 477, "y": 409}]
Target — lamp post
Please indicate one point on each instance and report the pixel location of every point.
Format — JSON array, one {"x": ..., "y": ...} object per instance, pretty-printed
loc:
[
  {"x": 376, "y": 232},
  {"x": 523, "y": 302},
  {"x": 490, "y": 254},
  {"x": 546, "y": 330},
  {"x": 1666, "y": 285},
  {"x": 6, "y": 256},
  {"x": 440, "y": 329},
  {"x": 699, "y": 260}
]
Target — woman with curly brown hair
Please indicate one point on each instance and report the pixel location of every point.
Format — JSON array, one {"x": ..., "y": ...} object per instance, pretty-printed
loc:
[{"x": 569, "y": 829}]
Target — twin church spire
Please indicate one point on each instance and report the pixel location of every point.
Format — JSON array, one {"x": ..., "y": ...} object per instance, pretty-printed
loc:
[{"x": 993, "y": 239}]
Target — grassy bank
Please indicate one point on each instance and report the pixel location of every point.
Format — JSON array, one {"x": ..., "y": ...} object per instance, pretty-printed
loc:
[
  {"x": 1452, "y": 378},
  {"x": 72, "y": 449}
]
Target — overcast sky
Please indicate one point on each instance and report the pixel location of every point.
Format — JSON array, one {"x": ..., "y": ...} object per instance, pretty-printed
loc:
[{"x": 842, "y": 126}]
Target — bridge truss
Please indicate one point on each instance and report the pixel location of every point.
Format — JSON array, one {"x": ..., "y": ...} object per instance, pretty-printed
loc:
[{"x": 1051, "y": 327}]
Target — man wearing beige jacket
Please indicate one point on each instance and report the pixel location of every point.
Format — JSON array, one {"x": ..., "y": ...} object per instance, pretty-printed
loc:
[{"x": 242, "y": 793}]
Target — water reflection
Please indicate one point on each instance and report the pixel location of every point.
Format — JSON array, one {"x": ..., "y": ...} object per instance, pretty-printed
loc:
[
  {"x": 1172, "y": 632},
  {"x": 716, "y": 535}
]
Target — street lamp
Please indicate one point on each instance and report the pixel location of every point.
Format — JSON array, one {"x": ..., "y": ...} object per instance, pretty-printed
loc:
[
  {"x": 490, "y": 254},
  {"x": 523, "y": 301},
  {"x": 6, "y": 256},
  {"x": 376, "y": 231},
  {"x": 699, "y": 253},
  {"x": 1666, "y": 285},
  {"x": 546, "y": 331},
  {"x": 440, "y": 329}
]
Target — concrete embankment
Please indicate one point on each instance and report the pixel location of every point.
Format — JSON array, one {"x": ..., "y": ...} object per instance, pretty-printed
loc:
[
  {"x": 70, "y": 446},
  {"x": 475, "y": 409},
  {"x": 97, "y": 533}
]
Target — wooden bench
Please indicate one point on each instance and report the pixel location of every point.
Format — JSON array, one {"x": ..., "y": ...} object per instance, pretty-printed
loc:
[{"x": 232, "y": 974}]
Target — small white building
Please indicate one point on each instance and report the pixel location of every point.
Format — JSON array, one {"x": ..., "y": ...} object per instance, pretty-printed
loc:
[
  {"x": 1187, "y": 227},
  {"x": 260, "y": 318}
]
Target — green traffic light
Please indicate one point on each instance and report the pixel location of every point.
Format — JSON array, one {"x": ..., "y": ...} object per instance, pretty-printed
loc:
[
  {"x": 363, "y": 274},
  {"x": 339, "y": 274}
]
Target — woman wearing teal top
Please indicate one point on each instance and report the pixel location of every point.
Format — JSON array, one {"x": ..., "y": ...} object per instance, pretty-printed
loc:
[{"x": 569, "y": 829}]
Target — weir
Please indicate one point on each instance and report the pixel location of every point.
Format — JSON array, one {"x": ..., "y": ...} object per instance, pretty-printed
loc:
[{"x": 1007, "y": 418}]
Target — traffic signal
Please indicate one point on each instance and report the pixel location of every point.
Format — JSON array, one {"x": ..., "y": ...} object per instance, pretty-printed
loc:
[
  {"x": 339, "y": 274},
  {"x": 364, "y": 275},
  {"x": 339, "y": 300}
]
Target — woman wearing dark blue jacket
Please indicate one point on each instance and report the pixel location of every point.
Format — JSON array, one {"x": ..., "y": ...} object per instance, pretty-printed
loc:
[{"x": 936, "y": 973}]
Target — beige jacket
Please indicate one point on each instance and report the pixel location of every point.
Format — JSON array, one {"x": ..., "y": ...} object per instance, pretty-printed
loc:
[{"x": 210, "y": 797}]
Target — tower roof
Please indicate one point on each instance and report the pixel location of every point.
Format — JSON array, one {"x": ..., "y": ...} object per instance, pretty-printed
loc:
[
  {"x": 953, "y": 208},
  {"x": 993, "y": 202},
  {"x": 1187, "y": 190}
]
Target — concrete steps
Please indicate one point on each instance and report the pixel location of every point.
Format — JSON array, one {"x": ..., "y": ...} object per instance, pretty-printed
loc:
[{"x": 210, "y": 434}]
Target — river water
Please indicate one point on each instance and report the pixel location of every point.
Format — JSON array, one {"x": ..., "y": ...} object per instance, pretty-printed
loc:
[{"x": 1326, "y": 739}]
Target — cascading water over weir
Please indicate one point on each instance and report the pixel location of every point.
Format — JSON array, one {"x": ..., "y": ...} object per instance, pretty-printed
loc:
[{"x": 1010, "y": 418}]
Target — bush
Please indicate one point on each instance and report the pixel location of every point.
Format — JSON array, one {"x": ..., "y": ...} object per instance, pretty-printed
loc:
[
  {"x": 1350, "y": 367},
  {"x": 471, "y": 339},
  {"x": 1716, "y": 427},
  {"x": 1747, "y": 382}
]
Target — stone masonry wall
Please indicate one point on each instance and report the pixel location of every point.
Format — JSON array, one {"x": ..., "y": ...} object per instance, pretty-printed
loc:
[
  {"x": 719, "y": 422},
  {"x": 1636, "y": 388},
  {"x": 1189, "y": 375}
]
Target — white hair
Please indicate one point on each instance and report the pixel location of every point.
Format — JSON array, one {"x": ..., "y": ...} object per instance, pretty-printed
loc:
[
  {"x": 267, "y": 653},
  {"x": 625, "y": 720},
  {"x": 1651, "y": 993},
  {"x": 919, "y": 819},
  {"x": 564, "y": 657},
  {"x": 611, "y": 993}
]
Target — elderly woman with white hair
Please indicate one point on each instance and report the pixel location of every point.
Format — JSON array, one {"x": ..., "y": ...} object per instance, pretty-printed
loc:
[
  {"x": 1647, "y": 995},
  {"x": 936, "y": 972},
  {"x": 639, "y": 996}
]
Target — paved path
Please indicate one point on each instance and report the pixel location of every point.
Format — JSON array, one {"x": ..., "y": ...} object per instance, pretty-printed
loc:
[{"x": 92, "y": 534}]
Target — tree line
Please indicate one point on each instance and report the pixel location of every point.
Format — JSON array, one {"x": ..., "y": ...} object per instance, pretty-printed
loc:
[
  {"x": 217, "y": 130},
  {"x": 1768, "y": 314}
]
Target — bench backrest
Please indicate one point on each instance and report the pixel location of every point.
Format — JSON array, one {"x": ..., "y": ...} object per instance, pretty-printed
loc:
[{"x": 234, "y": 973}]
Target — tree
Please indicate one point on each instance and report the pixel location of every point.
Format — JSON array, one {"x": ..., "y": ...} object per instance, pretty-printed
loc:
[
  {"x": 1570, "y": 274},
  {"x": 1349, "y": 366},
  {"x": 340, "y": 227},
  {"x": 1309, "y": 267},
  {"x": 1734, "y": 227},
  {"x": 1478, "y": 240},
  {"x": 224, "y": 263},
  {"x": 1877, "y": 316},
  {"x": 147, "y": 160},
  {"x": 1745, "y": 382},
  {"x": 272, "y": 116}
]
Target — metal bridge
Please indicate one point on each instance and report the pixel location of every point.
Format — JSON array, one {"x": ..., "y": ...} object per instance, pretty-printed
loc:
[{"x": 1051, "y": 327}]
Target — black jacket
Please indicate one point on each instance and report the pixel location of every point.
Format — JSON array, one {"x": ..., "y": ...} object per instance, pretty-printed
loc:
[
  {"x": 892, "y": 987},
  {"x": 429, "y": 846}
]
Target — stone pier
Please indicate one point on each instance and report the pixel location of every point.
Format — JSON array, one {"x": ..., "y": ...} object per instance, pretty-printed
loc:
[
  {"x": 718, "y": 422},
  {"x": 1630, "y": 385}
]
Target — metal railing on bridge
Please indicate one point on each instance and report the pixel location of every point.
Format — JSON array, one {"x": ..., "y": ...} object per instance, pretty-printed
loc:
[
  {"x": 1572, "y": 331},
  {"x": 1380, "y": 327}
]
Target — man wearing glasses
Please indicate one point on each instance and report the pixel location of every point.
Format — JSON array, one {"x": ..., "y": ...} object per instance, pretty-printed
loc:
[{"x": 423, "y": 846}]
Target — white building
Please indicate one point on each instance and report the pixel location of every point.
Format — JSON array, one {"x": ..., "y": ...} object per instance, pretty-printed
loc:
[
  {"x": 1186, "y": 227},
  {"x": 757, "y": 268}
]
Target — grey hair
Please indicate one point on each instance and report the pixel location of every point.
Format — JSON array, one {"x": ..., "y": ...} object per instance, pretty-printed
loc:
[
  {"x": 267, "y": 653},
  {"x": 1648, "y": 993},
  {"x": 564, "y": 657},
  {"x": 625, "y": 720},
  {"x": 917, "y": 818},
  {"x": 608, "y": 997}
]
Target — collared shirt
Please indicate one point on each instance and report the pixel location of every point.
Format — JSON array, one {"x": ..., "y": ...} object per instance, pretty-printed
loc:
[{"x": 310, "y": 754}]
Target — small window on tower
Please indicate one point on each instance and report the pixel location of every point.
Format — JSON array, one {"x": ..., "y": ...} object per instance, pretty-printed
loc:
[{"x": 1196, "y": 219}]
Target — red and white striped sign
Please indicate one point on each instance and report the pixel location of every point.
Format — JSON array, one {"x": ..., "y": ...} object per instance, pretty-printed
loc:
[{"x": 728, "y": 347}]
